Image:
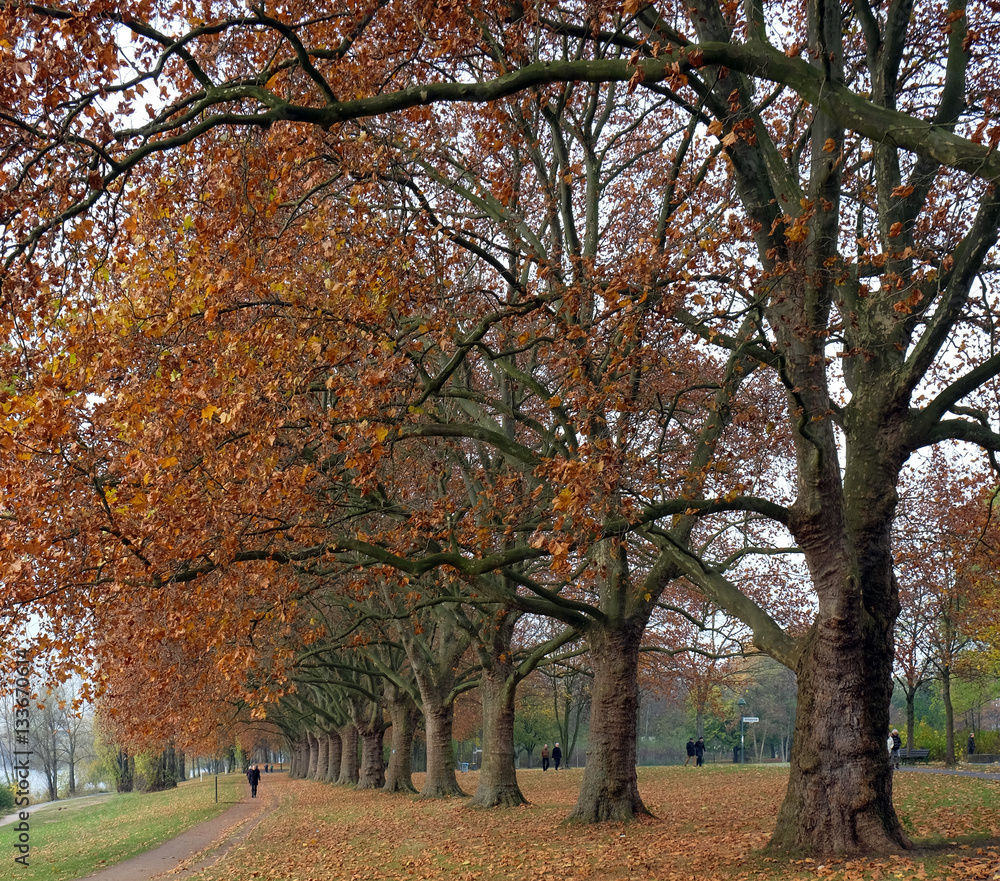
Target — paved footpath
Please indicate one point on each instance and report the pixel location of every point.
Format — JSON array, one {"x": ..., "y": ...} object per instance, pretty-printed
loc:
[
  {"x": 195, "y": 850},
  {"x": 200, "y": 847},
  {"x": 985, "y": 775}
]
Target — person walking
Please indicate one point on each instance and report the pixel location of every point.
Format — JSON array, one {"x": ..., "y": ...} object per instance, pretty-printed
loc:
[
  {"x": 545, "y": 757},
  {"x": 894, "y": 743},
  {"x": 972, "y": 744},
  {"x": 253, "y": 778},
  {"x": 690, "y": 751},
  {"x": 556, "y": 756},
  {"x": 699, "y": 752}
]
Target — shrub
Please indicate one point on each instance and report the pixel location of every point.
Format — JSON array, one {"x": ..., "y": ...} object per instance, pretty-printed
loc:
[
  {"x": 925, "y": 737},
  {"x": 6, "y": 799}
]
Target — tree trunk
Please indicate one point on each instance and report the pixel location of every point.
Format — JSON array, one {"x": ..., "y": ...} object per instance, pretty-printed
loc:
[
  {"x": 609, "y": 791},
  {"x": 403, "y": 714},
  {"x": 313, "y": 742},
  {"x": 949, "y": 717},
  {"x": 124, "y": 772},
  {"x": 440, "y": 781},
  {"x": 910, "y": 716},
  {"x": 839, "y": 797},
  {"x": 498, "y": 777},
  {"x": 372, "y": 775},
  {"x": 349, "y": 769},
  {"x": 71, "y": 773},
  {"x": 334, "y": 757},
  {"x": 299, "y": 763},
  {"x": 323, "y": 757}
]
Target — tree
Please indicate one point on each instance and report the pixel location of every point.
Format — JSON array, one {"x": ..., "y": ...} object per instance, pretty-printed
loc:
[
  {"x": 831, "y": 240},
  {"x": 942, "y": 546}
]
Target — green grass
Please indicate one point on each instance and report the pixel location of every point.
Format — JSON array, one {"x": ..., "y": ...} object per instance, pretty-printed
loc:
[
  {"x": 76, "y": 838},
  {"x": 938, "y": 809}
]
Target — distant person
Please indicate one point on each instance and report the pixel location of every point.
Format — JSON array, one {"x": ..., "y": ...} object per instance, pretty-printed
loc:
[
  {"x": 545, "y": 757},
  {"x": 894, "y": 743},
  {"x": 972, "y": 744},
  {"x": 253, "y": 778},
  {"x": 556, "y": 756},
  {"x": 699, "y": 752},
  {"x": 690, "y": 751}
]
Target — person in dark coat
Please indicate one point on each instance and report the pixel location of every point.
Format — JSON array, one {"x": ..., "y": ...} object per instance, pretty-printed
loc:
[
  {"x": 556, "y": 756},
  {"x": 699, "y": 752},
  {"x": 253, "y": 778},
  {"x": 690, "y": 751},
  {"x": 972, "y": 744}
]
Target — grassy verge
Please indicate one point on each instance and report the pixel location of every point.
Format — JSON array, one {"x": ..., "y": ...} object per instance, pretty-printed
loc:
[{"x": 76, "y": 838}]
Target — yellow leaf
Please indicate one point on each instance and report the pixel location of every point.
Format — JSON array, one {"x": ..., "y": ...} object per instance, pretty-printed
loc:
[
  {"x": 796, "y": 233},
  {"x": 208, "y": 411}
]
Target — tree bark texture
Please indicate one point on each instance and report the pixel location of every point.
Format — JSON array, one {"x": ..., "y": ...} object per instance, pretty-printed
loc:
[
  {"x": 609, "y": 791},
  {"x": 334, "y": 750},
  {"x": 323, "y": 757},
  {"x": 299, "y": 759},
  {"x": 312, "y": 742},
  {"x": 440, "y": 781},
  {"x": 349, "y": 766},
  {"x": 839, "y": 798},
  {"x": 372, "y": 772},
  {"x": 910, "y": 717},
  {"x": 403, "y": 714},
  {"x": 497, "y": 777}
]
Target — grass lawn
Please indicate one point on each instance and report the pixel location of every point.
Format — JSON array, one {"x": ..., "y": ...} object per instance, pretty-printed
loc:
[
  {"x": 710, "y": 823},
  {"x": 77, "y": 837}
]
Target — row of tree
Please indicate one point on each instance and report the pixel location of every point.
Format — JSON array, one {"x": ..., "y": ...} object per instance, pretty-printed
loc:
[{"x": 363, "y": 356}]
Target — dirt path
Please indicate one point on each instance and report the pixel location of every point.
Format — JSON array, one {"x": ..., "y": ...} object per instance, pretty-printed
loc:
[{"x": 202, "y": 846}]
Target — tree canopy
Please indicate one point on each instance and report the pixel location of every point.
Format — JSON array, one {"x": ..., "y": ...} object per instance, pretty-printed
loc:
[{"x": 584, "y": 312}]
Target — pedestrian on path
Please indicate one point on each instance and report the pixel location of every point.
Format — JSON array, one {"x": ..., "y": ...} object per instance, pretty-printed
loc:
[
  {"x": 894, "y": 743},
  {"x": 699, "y": 752},
  {"x": 690, "y": 751},
  {"x": 545, "y": 757},
  {"x": 556, "y": 756},
  {"x": 253, "y": 778}
]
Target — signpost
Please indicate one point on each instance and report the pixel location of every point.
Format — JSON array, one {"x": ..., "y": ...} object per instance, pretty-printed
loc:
[{"x": 747, "y": 720}]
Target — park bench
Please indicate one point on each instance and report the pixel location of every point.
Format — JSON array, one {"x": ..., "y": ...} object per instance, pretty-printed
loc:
[{"x": 914, "y": 754}]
